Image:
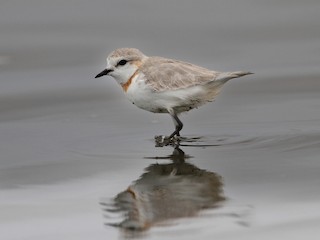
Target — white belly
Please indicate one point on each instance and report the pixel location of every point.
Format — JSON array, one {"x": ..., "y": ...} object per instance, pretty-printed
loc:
[
  {"x": 146, "y": 99},
  {"x": 159, "y": 102}
]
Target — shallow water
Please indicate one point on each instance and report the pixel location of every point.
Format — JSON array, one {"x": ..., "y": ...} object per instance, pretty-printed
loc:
[{"x": 70, "y": 144}]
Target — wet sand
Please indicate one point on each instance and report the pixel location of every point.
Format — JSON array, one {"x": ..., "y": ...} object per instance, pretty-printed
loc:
[{"x": 70, "y": 144}]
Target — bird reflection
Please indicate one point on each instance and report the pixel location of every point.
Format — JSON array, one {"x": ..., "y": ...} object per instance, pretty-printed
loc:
[{"x": 166, "y": 191}]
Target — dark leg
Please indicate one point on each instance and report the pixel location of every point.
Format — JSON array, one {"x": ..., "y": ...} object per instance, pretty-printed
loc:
[{"x": 178, "y": 124}]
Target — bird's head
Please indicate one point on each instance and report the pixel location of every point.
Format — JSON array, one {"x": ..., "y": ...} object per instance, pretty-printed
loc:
[{"x": 122, "y": 63}]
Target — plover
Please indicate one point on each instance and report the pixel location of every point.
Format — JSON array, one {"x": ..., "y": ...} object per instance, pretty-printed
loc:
[{"x": 163, "y": 85}]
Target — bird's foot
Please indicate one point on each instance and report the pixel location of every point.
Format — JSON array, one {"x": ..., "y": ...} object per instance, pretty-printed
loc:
[{"x": 162, "y": 140}]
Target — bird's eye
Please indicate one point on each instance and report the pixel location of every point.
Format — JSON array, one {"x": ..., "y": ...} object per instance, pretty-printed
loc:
[{"x": 122, "y": 62}]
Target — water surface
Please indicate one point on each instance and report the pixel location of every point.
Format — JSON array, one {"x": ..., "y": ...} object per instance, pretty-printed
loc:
[{"x": 72, "y": 146}]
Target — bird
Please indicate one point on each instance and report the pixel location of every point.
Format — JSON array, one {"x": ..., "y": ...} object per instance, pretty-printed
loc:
[{"x": 163, "y": 85}]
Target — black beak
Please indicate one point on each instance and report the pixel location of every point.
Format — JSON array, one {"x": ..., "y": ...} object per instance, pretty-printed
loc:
[{"x": 104, "y": 72}]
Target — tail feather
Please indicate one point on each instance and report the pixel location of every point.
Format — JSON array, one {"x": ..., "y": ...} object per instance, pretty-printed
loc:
[
  {"x": 214, "y": 86},
  {"x": 225, "y": 76}
]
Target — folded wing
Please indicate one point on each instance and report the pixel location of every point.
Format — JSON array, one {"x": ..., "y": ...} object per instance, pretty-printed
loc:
[{"x": 166, "y": 74}]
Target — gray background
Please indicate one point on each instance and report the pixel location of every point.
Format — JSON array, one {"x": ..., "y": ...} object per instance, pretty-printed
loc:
[{"x": 68, "y": 140}]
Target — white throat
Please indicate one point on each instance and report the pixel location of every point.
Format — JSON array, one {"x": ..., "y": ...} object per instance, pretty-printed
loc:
[{"x": 122, "y": 74}]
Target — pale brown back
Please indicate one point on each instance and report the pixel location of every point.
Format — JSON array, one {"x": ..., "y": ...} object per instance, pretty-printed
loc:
[{"x": 167, "y": 74}]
